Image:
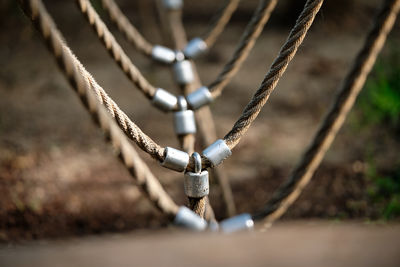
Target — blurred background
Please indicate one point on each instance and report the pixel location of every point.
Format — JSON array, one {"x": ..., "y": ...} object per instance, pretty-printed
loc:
[{"x": 59, "y": 178}]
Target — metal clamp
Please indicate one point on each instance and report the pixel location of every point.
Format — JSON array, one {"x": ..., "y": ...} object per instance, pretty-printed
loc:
[
  {"x": 195, "y": 47},
  {"x": 183, "y": 72},
  {"x": 164, "y": 100},
  {"x": 237, "y": 223},
  {"x": 184, "y": 121},
  {"x": 163, "y": 54},
  {"x": 188, "y": 219},
  {"x": 173, "y": 4},
  {"x": 199, "y": 98},
  {"x": 217, "y": 152},
  {"x": 196, "y": 183},
  {"x": 175, "y": 159}
]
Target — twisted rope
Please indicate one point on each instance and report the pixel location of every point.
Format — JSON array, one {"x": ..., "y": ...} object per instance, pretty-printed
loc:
[
  {"x": 218, "y": 25},
  {"x": 349, "y": 90},
  {"x": 245, "y": 45},
  {"x": 129, "y": 127},
  {"x": 115, "y": 50},
  {"x": 125, "y": 26},
  {"x": 83, "y": 85},
  {"x": 276, "y": 71}
]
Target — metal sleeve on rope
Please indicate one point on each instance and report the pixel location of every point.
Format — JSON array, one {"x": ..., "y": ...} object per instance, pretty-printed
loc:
[
  {"x": 173, "y": 4},
  {"x": 175, "y": 159},
  {"x": 237, "y": 223},
  {"x": 195, "y": 48},
  {"x": 217, "y": 152},
  {"x": 199, "y": 98},
  {"x": 188, "y": 219},
  {"x": 164, "y": 100},
  {"x": 163, "y": 54}
]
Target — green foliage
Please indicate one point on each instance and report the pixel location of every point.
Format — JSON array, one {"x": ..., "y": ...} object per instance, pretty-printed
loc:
[
  {"x": 384, "y": 191},
  {"x": 379, "y": 102}
]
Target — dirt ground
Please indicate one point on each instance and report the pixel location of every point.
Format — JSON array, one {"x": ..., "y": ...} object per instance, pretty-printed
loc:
[
  {"x": 287, "y": 244},
  {"x": 58, "y": 178}
]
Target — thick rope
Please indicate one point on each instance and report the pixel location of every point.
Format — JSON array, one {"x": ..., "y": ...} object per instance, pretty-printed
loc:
[
  {"x": 124, "y": 26},
  {"x": 129, "y": 127},
  {"x": 115, "y": 49},
  {"x": 349, "y": 90},
  {"x": 245, "y": 45},
  {"x": 276, "y": 71},
  {"x": 78, "y": 78},
  {"x": 218, "y": 25}
]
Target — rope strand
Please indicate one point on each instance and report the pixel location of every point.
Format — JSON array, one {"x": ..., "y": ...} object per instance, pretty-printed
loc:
[
  {"x": 78, "y": 78},
  {"x": 245, "y": 45},
  {"x": 348, "y": 92},
  {"x": 115, "y": 50},
  {"x": 276, "y": 71}
]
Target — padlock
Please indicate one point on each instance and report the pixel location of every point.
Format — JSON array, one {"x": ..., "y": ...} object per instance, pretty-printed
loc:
[
  {"x": 183, "y": 72},
  {"x": 184, "y": 121},
  {"x": 196, "y": 183}
]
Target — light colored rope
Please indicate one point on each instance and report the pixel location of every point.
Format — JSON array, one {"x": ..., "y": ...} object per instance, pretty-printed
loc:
[
  {"x": 276, "y": 71},
  {"x": 333, "y": 121},
  {"x": 245, "y": 45},
  {"x": 115, "y": 49},
  {"x": 218, "y": 25},
  {"x": 83, "y": 85},
  {"x": 126, "y": 27}
]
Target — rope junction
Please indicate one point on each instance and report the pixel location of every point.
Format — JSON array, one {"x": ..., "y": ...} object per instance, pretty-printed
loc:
[{"x": 110, "y": 117}]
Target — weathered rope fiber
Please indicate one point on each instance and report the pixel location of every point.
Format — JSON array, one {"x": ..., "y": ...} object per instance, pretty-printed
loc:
[
  {"x": 245, "y": 45},
  {"x": 219, "y": 24},
  {"x": 129, "y": 127},
  {"x": 115, "y": 50},
  {"x": 276, "y": 71},
  {"x": 142, "y": 45},
  {"x": 78, "y": 78},
  {"x": 334, "y": 119},
  {"x": 124, "y": 26}
]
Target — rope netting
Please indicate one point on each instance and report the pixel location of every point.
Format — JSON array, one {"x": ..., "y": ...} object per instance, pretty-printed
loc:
[{"x": 118, "y": 127}]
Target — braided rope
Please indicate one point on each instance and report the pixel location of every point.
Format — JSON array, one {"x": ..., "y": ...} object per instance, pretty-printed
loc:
[
  {"x": 83, "y": 85},
  {"x": 126, "y": 27},
  {"x": 115, "y": 49},
  {"x": 349, "y": 90},
  {"x": 276, "y": 71},
  {"x": 245, "y": 45},
  {"x": 218, "y": 25}
]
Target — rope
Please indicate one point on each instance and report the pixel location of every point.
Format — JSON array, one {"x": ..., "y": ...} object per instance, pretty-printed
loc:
[
  {"x": 246, "y": 43},
  {"x": 115, "y": 49},
  {"x": 78, "y": 78},
  {"x": 276, "y": 71},
  {"x": 129, "y": 127},
  {"x": 124, "y": 26},
  {"x": 350, "y": 88},
  {"x": 218, "y": 25}
]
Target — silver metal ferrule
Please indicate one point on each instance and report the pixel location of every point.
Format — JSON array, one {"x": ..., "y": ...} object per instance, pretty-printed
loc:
[
  {"x": 195, "y": 47},
  {"x": 188, "y": 219},
  {"x": 184, "y": 120},
  {"x": 199, "y": 98},
  {"x": 183, "y": 72},
  {"x": 173, "y": 4},
  {"x": 175, "y": 159},
  {"x": 164, "y": 100},
  {"x": 217, "y": 152},
  {"x": 196, "y": 184},
  {"x": 163, "y": 54},
  {"x": 237, "y": 223}
]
